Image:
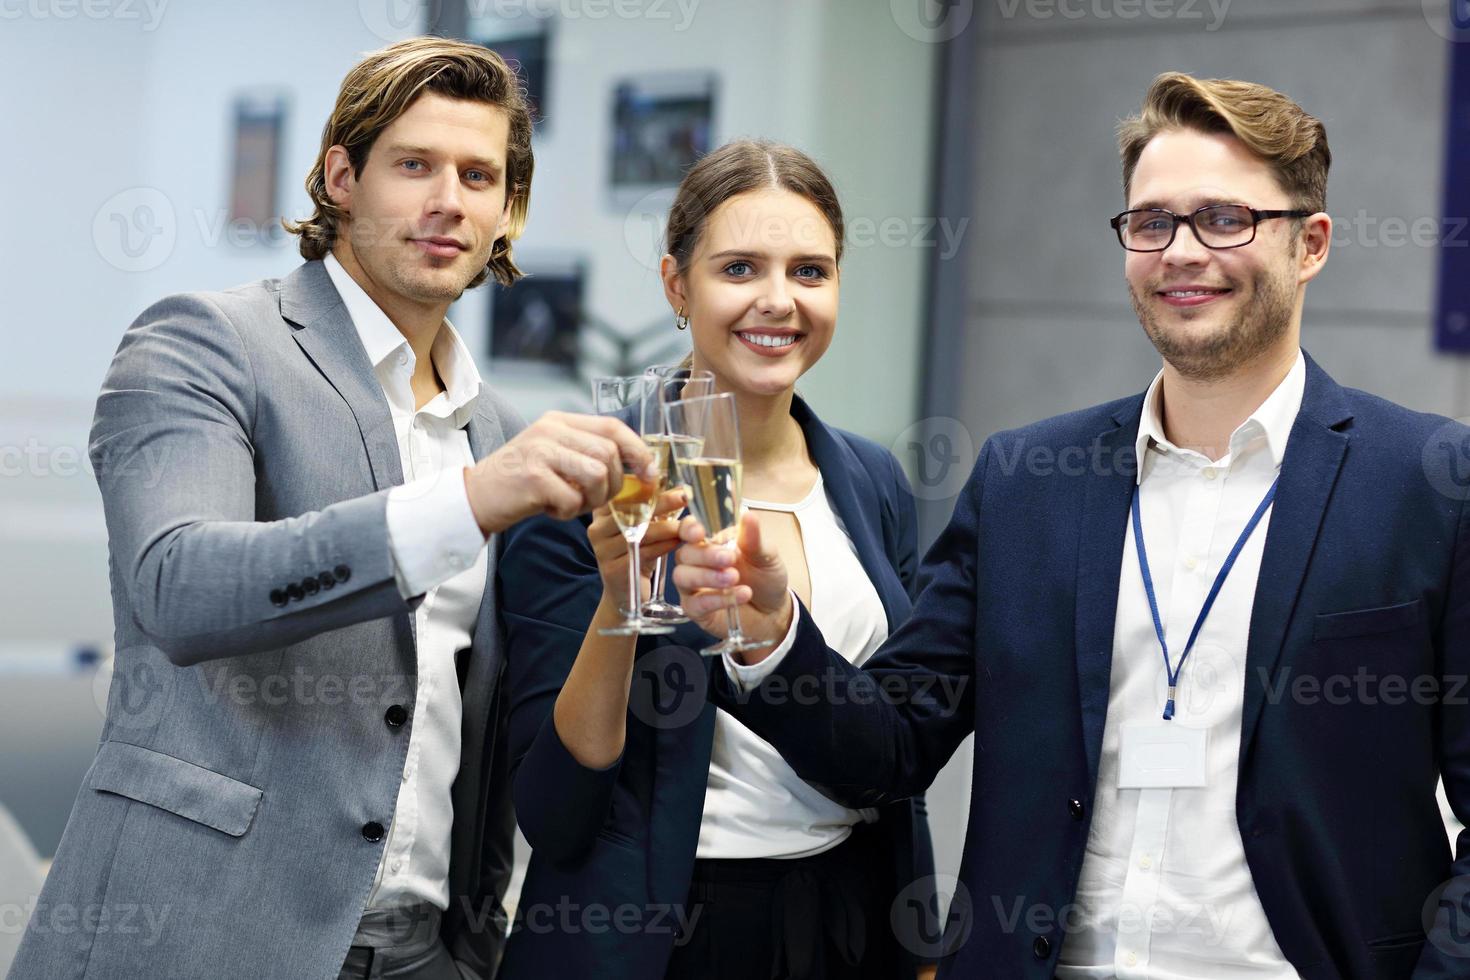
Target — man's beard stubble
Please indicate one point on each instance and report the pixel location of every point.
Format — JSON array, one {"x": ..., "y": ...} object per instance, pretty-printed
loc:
[{"x": 1262, "y": 323}]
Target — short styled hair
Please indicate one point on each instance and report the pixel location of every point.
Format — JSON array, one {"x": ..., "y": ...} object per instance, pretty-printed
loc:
[{"x": 1272, "y": 126}]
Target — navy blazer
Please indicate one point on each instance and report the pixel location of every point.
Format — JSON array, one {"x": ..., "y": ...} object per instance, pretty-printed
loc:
[
  {"x": 613, "y": 849},
  {"x": 1366, "y": 572}
]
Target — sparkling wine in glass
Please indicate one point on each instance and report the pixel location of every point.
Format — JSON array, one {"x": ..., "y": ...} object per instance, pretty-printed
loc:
[
  {"x": 675, "y": 383},
  {"x": 709, "y": 463},
  {"x": 635, "y": 401}
]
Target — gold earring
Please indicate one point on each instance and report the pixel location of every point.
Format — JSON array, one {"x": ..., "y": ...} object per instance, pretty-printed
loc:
[{"x": 680, "y": 320}]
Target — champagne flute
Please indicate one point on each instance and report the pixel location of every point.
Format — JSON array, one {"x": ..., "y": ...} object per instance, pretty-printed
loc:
[
  {"x": 709, "y": 462},
  {"x": 674, "y": 383},
  {"x": 635, "y": 401}
]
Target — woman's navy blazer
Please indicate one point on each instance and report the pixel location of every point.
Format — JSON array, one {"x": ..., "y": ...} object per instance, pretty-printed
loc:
[{"x": 613, "y": 849}]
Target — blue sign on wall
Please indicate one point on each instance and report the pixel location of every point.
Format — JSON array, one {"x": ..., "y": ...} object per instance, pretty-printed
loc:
[{"x": 1452, "y": 314}]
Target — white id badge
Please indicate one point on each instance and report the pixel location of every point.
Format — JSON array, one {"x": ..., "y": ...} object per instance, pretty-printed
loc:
[{"x": 1162, "y": 755}]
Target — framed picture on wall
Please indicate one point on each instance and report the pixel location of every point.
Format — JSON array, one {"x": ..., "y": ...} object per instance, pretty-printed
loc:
[
  {"x": 255, "y": 180},
  {"x": 525, "y": 43},
  {"x": 661, "y": 125},
  {"x": 534, "y": 325}
]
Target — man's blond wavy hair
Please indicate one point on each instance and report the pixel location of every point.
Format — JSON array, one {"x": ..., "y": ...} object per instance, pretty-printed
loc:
[
  {"x": 1272, "y": 126},
  {"x": 380, "y": 89}
]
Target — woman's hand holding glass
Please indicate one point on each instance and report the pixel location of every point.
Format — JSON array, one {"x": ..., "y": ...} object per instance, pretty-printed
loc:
[
  {"x": 710, "y": 578},
  {"x": 611, "y": 547}
]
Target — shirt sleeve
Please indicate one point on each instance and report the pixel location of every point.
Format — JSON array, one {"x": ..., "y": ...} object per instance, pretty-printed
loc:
[
  {"x": 432, "y": 533},
  {"x": 747, "y": 677}
]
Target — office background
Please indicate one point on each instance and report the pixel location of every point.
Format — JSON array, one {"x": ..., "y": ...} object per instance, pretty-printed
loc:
[{"x": 971, "y": 142}]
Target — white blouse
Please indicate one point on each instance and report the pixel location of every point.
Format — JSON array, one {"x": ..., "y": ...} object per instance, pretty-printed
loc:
[{"x": 755, "y": 805}]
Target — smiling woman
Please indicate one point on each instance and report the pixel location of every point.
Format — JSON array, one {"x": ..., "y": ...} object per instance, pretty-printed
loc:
[{"x": 622, "y": 807}]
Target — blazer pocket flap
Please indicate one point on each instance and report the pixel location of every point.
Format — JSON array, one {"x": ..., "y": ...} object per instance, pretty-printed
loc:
[
  {"x": 1366, "y": 622},
  {"x": 180, "y": 787}
]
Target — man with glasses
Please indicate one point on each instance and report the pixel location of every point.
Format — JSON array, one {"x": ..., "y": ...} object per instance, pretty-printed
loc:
[{"x": 1214, "y": 655}]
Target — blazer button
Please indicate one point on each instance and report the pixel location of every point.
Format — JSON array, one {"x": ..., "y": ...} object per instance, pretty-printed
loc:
[
  {"x": 1041, "y": 947},
  {"x": 294, "y": 591},
  {"x": 326, "y": 580},
  {"x": 342, "y": 572},
  {"x": 395, "y": 716},
  {"x": 372, "y": 831},
  {"x": 310, "y": 585},
  {"x": 278, "y": 598},
  {"x": 1076, "y": 809}
]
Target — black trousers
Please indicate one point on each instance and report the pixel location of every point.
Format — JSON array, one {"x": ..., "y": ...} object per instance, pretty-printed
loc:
[{"x": 824, "y": 917}]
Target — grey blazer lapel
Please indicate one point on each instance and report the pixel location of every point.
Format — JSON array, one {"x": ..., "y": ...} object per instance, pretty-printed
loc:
[{"x": 325, "y": 332}]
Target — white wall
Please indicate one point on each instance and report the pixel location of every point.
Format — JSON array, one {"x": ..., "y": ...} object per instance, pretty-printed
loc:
[{"x": 135, "y": 109}]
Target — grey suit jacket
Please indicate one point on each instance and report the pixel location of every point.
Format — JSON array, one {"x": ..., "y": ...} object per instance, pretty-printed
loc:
[{"x": 244, "y": 450}]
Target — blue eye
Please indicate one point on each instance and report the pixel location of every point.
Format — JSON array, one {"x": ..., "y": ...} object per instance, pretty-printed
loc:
[
  {"x": 416, "y": 163},
  {"x": 818, "y": 273},
  {"x": 730, "y": 269}
]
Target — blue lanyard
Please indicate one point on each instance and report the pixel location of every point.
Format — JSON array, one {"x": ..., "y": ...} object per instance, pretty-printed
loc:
[{"x": 1153, "y": 602}]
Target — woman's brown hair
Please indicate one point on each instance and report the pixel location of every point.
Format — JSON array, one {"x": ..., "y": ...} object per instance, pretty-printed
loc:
[
  {"x": 380, "y": 89},
  {"x": 737, "y": 167}
]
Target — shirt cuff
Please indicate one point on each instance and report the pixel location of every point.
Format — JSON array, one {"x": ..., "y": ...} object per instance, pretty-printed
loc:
[
  {"x": 432, "y": 532},
  {"x": 747, "y": 677}
]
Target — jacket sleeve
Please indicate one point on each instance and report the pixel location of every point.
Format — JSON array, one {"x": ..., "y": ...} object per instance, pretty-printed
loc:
[
  {"x": 1444, "y": 955},
  {"x": 549, "y": 590},
  {"x": 882, "y": 732},
  {"x": 171, "y": 449}
]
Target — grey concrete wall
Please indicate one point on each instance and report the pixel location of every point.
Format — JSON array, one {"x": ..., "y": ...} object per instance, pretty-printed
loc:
[{"x": 1049, "y": 327}]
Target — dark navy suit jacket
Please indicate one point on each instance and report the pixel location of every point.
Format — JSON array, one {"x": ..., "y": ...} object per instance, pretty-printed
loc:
[
  {"x": 1366, "y": 572},
  {"x": 613, "y": 849}
]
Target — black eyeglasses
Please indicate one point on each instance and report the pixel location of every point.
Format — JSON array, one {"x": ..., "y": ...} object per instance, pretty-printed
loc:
[{"x": 1215, "y": 226}]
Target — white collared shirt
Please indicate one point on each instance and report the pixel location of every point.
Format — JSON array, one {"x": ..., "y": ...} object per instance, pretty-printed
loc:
[
  {"x": 1165, "y": 892},
  {"x": 438, "y": 552}
]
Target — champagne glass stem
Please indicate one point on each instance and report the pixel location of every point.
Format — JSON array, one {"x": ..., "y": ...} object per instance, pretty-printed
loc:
[
  {"x": 635, "y": 600},
  {"x": 660, "y": 582},
  {"x": 732, "y": 615}
]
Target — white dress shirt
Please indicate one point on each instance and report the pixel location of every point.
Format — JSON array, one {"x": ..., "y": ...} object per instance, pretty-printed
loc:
[
  {"x": 1165, "y": 892},
  {"x": 439, "y": 552},
  {"x": 755, "y": 805}
]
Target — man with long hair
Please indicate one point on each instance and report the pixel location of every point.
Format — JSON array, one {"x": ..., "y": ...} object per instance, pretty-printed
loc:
[{"x": 301, "y": 772}]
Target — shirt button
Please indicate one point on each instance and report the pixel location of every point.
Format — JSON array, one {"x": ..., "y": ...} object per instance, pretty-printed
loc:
[
  {"x": 402, "y": 358},
  {"x": 397, "y": 866},
  {"x": 1191, "y": 563},
  {"x": 1132, "y": 959},
  {"x": 1209, "y": 474},
  {"x": 1145, "y": 862}
]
